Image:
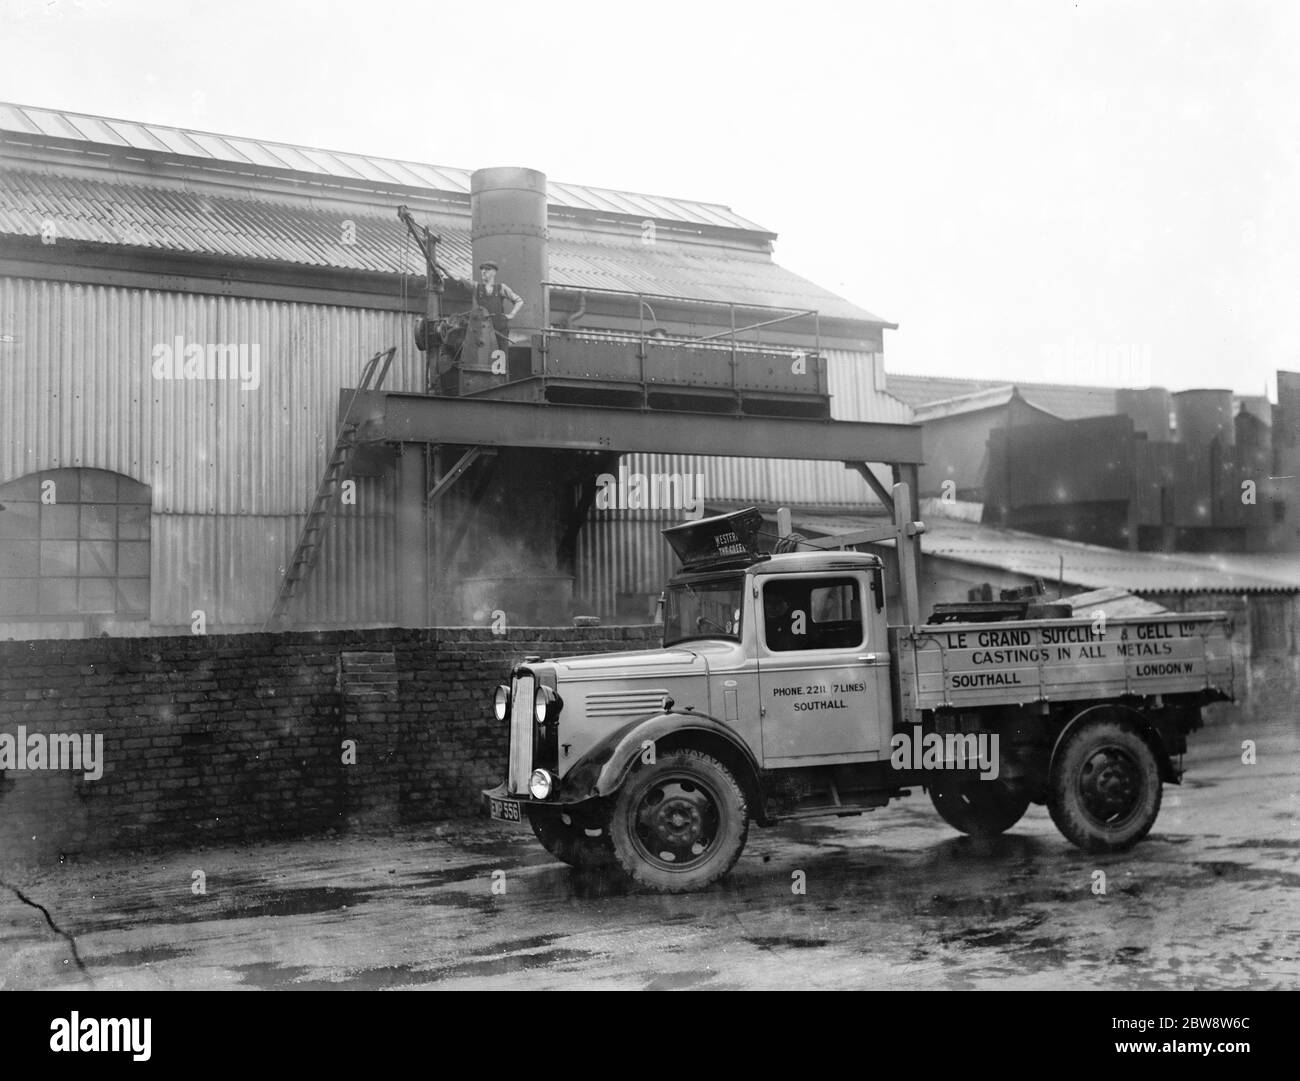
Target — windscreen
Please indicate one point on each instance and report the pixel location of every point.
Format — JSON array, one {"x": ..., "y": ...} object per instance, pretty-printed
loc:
[{"x": 705, "y": 609}]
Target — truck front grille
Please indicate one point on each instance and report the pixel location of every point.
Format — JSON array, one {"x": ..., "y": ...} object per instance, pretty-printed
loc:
[{"x": 522, "y": 689}]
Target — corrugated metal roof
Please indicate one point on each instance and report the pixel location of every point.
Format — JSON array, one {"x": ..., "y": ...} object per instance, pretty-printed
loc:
[
  {"x": 194, "y": 222},
  {"x": 1089, "y": 566},
  {"x": 918, "y": 390},
  {"x": 1283, "y": 567},
  {"x": 936, "y": 395},
  {"x": 1117, "y": 603},
  {"x": 1062, "y": 400},
  {"x": 1070, "y": 403},
  {"x": 264, "y": 154},
  {"x": 975, "y": 403},
  {"x": 692, "y": 272},
  {"x": 174, "y": 219}
]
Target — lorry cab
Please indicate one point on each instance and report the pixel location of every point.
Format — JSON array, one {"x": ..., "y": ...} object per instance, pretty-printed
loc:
[
  {"x": 798, "y": 654},
  {"x": 821, "y": 651}
]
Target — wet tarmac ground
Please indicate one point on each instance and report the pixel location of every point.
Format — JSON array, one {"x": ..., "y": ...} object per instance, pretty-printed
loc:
[{"x": 893, "y": 900}]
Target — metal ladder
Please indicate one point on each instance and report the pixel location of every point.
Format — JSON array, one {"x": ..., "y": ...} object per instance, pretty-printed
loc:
[{"x": 307, "y": 549}]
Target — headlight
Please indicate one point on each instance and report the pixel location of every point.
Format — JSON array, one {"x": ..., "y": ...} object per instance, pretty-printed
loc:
[
  {"x": 501, "y": 704},
  {"x": 540, "y": 701},
  {"x": 540, "y": 784}
]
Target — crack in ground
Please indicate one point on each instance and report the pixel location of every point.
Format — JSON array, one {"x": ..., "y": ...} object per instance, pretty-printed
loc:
[{"x": 72, "y": 942}]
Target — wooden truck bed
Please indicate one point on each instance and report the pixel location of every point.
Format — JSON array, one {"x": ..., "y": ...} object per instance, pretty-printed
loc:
[{"x": 969, "y": 665}]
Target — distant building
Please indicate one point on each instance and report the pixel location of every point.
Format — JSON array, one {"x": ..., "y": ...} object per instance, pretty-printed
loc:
[
  {"x": 1215, "y": 483},
  {"x": 958, "y": 415},
  {"x": 1141, "y": 469},
  {"x": 954, "y": 426}
]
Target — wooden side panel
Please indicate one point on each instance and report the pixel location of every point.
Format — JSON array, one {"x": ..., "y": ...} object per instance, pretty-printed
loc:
[{"x": 968, "y": 665}]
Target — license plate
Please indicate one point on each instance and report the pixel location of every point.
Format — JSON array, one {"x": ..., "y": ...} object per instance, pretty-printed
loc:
[{"x": 505, "y": 809}]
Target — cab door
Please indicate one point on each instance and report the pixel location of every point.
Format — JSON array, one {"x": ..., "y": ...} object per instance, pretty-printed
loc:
[{"x": 823, "y": 684}]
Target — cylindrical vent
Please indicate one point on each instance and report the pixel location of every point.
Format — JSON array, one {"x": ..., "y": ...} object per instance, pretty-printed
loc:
[
  {"x": 1253, "y": 434},
  {"x": 1201, "y": 415},
  {"x": 1149, "y": 410},
  {"x": 1286, "y": 414},
  {"x": 508, "y": 227},
  {"x": 1257, "y": 406}
]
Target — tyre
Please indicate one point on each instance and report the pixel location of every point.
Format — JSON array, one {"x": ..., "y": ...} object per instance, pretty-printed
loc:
[
  {"x": 1104, "y": 790},
  {"x": 680, "y": 823},
  {"x": 579, "y": 841},
  {"x": 980, "y": 808}
]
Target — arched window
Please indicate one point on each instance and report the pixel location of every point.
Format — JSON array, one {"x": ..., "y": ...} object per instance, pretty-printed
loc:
[{"x": 74, "y": 543}]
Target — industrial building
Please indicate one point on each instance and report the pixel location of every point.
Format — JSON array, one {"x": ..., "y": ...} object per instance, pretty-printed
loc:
[
  {"x": 197, "y": 438},
  {"x": 1216, "y": 481},
  {"x": 1199, "y": 470}
]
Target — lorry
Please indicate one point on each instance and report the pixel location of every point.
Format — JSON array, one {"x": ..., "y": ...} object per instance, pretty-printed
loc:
[{"x": 781, "y": 692}]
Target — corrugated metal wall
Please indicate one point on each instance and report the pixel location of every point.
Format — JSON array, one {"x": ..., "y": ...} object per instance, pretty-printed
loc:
[
  {"x": 230, "y": 566},
  {"x": 621, "y": 552},
  {"x": 855, "y": 395},
  {"x": 231, "y": 470},
  {"x": 77, "y": 389},
  {"x": 622, "y": 556}
]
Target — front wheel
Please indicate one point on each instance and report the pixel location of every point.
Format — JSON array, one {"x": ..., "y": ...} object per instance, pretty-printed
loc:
[
  {"x": 679, "y": 824},
  {"x": 1105, "y": 786},
  {"x": 980, "y": 808},
  {"x": 580, "y": 841}
]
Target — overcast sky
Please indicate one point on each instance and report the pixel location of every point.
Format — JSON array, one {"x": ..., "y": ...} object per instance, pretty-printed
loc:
[{"x": 1082, "y": 192}]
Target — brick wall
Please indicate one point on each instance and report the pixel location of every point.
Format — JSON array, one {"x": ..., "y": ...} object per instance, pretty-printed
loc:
[{"x": 239, "y": 737}]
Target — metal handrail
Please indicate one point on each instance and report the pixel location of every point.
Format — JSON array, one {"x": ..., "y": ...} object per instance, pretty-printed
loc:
[
  {"x": 675, "y": 299},
  {"x": 789, "y": 315},
  {"x": 711, "y": 342},
  {"x": 365, "y": 383},
  {"x": 756, "y": 326}
]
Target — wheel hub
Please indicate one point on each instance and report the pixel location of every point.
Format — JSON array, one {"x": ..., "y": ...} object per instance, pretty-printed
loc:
[
  {"x": 676, "y": 822},
  {"x": 1109, "y": 784}
]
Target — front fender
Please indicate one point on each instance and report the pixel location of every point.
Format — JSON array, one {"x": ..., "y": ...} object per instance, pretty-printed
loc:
[{"x": 604, "y": 768}]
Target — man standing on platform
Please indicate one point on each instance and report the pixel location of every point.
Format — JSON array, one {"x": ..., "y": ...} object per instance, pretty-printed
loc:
[{"x": 491, "y": 296}]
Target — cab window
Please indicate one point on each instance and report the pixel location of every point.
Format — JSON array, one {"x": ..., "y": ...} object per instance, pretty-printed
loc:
[
  {"x": 812, "y": 613},
  {"x": 704, "y": 609}
]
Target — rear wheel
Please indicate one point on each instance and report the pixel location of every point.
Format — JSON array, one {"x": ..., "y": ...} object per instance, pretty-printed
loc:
[
  {"x": 580, "y": 840},
  {"x": 1105, "y": 786},
  {"x": 680, "y": 823},
  {"x": 980, "y": 808}
]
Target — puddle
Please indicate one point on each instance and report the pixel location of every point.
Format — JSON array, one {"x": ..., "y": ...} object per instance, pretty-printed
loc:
[
  {"x": 454, "y": 875},
  {"x": 1227, "y": 871},
  {"x": 788, "y": 942},
  {"x": 993, "y": 907},
  {"x": 985, "y": 937},
  {"x": 272, "y": 977},
  {"x": 679, "y": 981},
  {"x": 145, "y": 955},
  {"x": 304, "y": 901},
  {"x": 225, "y": 904},
  {"x": 504, "y": 966}
]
